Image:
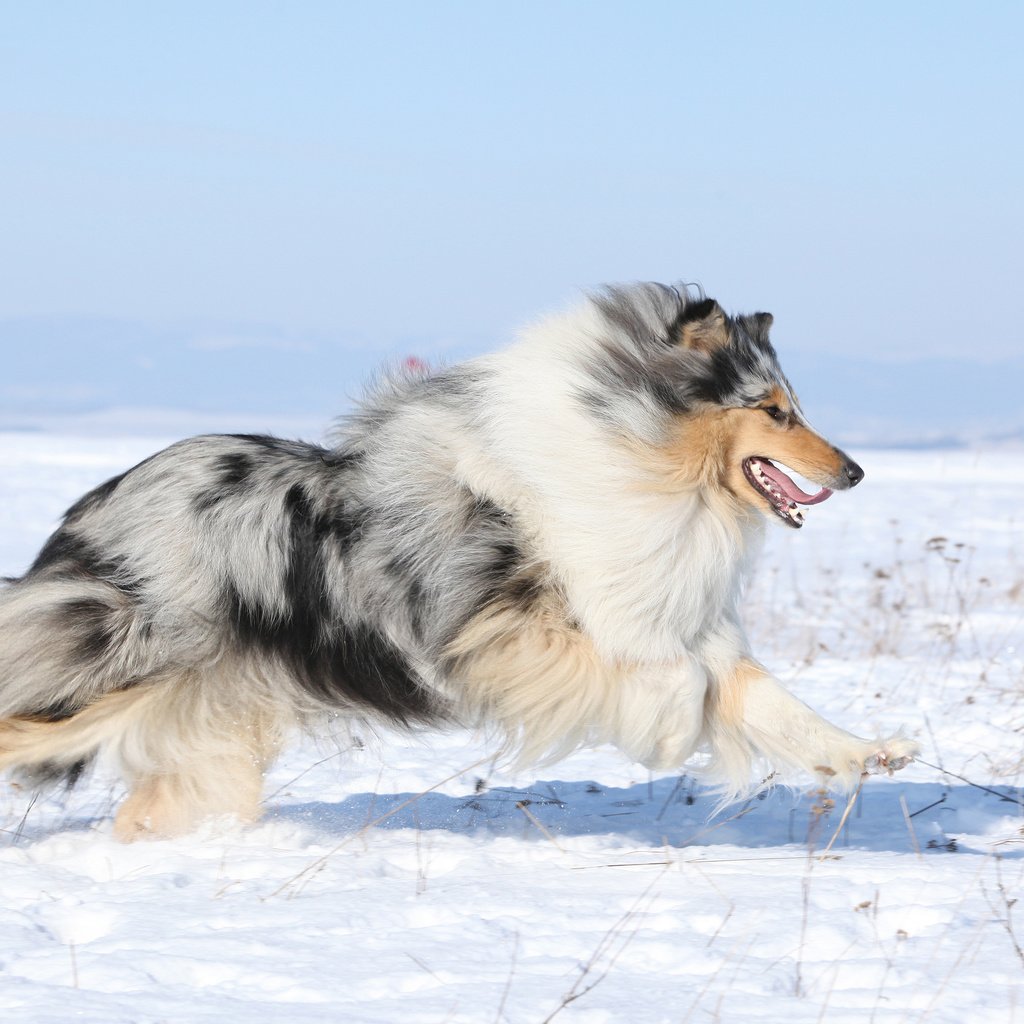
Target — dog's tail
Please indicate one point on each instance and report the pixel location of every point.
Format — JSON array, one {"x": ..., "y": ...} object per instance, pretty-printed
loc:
[
  {"x": 65, "y": 643},
  {"x": 47, "y": 750}
]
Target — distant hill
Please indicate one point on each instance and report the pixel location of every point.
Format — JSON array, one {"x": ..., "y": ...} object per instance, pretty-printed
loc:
[
  {"x": 917, "y": 402},
  {"x": 122, "y": 377}
]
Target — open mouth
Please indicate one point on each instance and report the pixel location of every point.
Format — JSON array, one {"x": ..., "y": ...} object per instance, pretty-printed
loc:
[{"x": 784, "y": 496}]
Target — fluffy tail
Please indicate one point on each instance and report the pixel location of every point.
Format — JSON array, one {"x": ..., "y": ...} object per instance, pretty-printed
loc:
[
  {"x": 64, "y": 644},
  {"x": 46, "y": 750}
]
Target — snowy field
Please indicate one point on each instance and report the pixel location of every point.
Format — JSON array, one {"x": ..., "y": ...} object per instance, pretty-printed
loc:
[{"x": 397, "y": 880}]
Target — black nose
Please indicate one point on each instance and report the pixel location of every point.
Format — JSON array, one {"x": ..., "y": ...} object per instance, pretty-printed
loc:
[{"x": 853, "y": 472}]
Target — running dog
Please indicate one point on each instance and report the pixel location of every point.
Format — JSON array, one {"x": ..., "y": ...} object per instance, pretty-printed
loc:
[{"x": 550, "y": 540}]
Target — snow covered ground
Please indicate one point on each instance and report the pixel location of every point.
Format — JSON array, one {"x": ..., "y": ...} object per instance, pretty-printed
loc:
[{"x": 397, "y": 880}]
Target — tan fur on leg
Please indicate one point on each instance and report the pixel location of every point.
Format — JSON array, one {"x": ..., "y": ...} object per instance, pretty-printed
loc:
[
  {"x": 750, "y": 715},
  {"x": 186, "y": 756},
  {"x": 541, "y": 679},
  {"x": 162, "y": 806},
  {"x": 192, "y": 759}
]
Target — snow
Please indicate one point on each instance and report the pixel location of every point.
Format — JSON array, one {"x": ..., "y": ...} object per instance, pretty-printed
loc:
[{"x": 414, "y": 880}]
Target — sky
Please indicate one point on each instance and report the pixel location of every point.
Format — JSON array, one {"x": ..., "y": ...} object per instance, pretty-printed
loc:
[{"x": 412, "y": 177}]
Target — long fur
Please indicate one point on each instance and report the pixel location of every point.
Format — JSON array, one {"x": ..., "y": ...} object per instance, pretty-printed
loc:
[{"x": 550, "y": 540}]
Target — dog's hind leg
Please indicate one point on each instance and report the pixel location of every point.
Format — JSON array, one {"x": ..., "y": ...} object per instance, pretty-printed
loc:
[
  {"x": 173, "y": 802},
  {"x": 195, "y": 755},
  {"x": 750, "y": 715},
  {"x": 186, "y": 752}
]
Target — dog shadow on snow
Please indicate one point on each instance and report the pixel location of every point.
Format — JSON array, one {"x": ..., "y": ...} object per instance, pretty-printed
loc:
[{"x": 888, "y": 815}]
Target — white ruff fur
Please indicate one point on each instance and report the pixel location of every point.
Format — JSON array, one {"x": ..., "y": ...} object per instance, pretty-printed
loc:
[{"x": 646, "y": 573}]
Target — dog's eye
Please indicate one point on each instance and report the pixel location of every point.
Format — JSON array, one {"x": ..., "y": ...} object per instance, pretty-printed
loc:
[{"x": 775, "y": 412}]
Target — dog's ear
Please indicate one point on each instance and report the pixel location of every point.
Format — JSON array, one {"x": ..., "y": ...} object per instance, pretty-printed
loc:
[
  {"x": 702, "y": 327},
  {"x": 764, "y": 322}
]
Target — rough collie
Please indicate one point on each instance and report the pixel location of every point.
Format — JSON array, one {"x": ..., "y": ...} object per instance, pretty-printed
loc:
[{"x": 550, "y": 540}]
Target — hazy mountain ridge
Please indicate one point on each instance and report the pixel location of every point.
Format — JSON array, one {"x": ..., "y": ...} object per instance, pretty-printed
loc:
[{"x": 122, "y": 377}]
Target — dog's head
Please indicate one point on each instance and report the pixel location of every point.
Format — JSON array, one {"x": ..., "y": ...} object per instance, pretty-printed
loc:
[{"x": 713, "y": 406}]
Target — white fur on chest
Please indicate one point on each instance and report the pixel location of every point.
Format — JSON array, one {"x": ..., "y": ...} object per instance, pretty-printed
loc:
[{"x": 646, "y": 574}]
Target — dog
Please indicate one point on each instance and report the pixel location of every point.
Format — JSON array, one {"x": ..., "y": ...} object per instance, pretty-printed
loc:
[{"x": 550, "y": 541}]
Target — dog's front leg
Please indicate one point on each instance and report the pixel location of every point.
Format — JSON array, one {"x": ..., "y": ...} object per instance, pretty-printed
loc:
[
  {"x": 542, "y": 680},
  {"x": 750, "y": 717},
  {"x": 658, "y": 713}
]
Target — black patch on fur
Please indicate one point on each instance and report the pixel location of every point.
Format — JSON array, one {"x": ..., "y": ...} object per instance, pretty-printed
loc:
[
  {"x": 524, "y": 591},
  {"x": 62, "y": 548},
  {"x": 90, "y": 621},
  {"x": 401, "y": 568},
  {"x": 729, "y": 369},
  {"x": 266, "y": 441},
  {"x": 233, "y": 472},
  {"x": 340, "y": 524},
  {"x": 300, "y": 449},
  {"x": 722, "y": 379},
  {"x": 666, "y": 395},
  {"x": 58, "y": 711},
  {"x": 484, "y": 509},
  {"x": 505, "y": 560},
  {"x": 505, "y": 576},
  {"x": 52, "y": 773},
  {"x": 416, "y": 604},
  {"x": 336, "y": 662},
  {"x": 67, "y": 554},
  {"x": 404, "y": 572},
  {"x": 691, "y": 313},
  {"x": 346, "y": 528}
]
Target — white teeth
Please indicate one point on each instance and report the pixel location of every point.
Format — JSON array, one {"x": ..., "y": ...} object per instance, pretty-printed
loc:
[{"x": 782, "y": 503}]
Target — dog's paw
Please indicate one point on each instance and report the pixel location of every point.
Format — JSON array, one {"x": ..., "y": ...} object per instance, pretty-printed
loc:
[{"x": 895, "y": 754}]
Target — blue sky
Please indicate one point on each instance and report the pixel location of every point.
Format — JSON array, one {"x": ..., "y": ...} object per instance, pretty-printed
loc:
[{"x": 424, "y": 176}]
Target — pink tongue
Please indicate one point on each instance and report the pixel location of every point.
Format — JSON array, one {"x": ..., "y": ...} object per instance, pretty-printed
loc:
[{"x": 790, "y": 489}]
